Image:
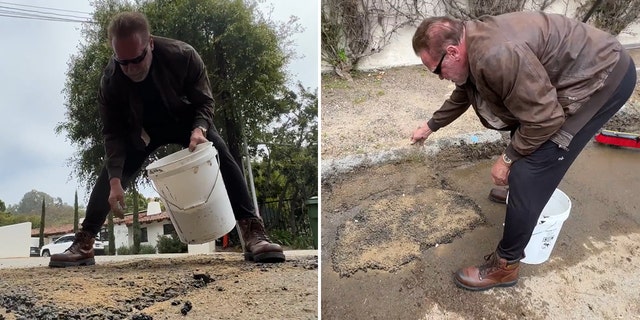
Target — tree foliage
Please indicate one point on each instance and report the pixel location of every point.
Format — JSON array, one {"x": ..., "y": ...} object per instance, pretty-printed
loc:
[
  {"x": 3, "y": 207},
  {"x": 30, "y": 206},
  {"x": 133, "y": 199},
  {"x": 31, "y": 201},
  {"x": 42, "y": 224},
  {"x": 136, "y": 220},
  {"x": 243, "y": 51},
  {"x": 612, "y": 16},
  {"x": 7, "y": 218},
  {"x": 171, "y": 244},
  {"x": 287, "y": 169},
  {"x": 473, "y": 9},
  {"x": 354, "y": 29}
]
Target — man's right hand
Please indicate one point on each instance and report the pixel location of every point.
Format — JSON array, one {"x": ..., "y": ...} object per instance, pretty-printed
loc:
[
  {"x": 421, "y": 134},
  {"x": 116, "y": 198}
]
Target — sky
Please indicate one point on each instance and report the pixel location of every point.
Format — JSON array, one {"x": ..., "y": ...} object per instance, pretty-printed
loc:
[{"x": 33, "y": 66}]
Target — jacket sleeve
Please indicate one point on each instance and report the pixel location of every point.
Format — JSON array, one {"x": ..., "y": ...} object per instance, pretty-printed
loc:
[
  {"x": 113, "y": 132},
  {"x": 515, "y": 74},
  {"x": 198, "y": 91},
  {"x": 450, "y": 110}
]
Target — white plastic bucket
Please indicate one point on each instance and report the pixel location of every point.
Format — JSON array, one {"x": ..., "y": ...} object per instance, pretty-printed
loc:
[
  {"x": 546, "y": 232},
  {"x": 193, "y": 191}
]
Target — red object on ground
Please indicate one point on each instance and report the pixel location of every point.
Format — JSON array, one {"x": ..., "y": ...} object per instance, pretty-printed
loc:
[
  {"x": 225, "y": 240},
  {"x": 621, "y": 139}
]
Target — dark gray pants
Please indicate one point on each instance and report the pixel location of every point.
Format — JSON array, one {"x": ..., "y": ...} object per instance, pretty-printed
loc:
[
  {"x": 98, "y": 207},
  {"x": 533, "y": 179}
]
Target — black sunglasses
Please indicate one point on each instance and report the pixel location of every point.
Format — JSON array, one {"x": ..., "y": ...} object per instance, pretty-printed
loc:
[
  {"x": 437, "y": 69},
  {"x": 135, "y": 60}
]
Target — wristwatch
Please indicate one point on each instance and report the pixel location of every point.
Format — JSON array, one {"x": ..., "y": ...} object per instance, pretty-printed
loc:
[
  {"x": 204, "y": 130},
  {"x": 506, "y": 159}
]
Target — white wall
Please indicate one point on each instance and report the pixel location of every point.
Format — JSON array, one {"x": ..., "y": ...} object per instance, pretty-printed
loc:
[
  {"x": 121, "y": 236},
  {"x": 399, "y": 51},
  {"x": 204, "y": 248},
  {"x": 15, "y": 240},
  {"x": 157, "y": 228},
  {"x": 154, "y": 230},
  {"x": 124, "y": 237}
]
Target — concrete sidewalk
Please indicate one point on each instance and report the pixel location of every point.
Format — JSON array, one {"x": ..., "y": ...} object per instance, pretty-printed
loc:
[{"x": 12, "y": 263}]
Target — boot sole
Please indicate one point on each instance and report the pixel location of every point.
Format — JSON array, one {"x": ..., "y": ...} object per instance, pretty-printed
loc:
[
  {"x": 504, "y": 284},
  {"x": 267, "y": 257},
  {"x": 497, "y": 200},
  {"x": 64, "y": 264}
]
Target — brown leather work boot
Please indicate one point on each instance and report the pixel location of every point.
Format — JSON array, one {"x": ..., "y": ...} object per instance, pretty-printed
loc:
[
  {"x": 495, "y": 272},
  {"x": 258, "y": 246},
  {"x": 80, "y": 253},
  {"x": 499, "y": 195}
]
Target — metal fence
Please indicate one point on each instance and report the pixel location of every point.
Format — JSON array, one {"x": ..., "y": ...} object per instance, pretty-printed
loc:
[{"x": 286, "y": 215}]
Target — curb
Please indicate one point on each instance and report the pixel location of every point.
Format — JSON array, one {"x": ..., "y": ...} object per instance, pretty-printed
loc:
[{"x": 332, "y": 167}]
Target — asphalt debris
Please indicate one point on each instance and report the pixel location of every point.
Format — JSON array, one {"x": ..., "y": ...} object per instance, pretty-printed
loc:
[{"x": 186, "y": 308}]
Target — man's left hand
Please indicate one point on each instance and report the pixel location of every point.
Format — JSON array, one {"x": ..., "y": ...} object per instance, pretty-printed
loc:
[
  {"x": 500, "y": 172},
  {"x": 197, "y": 137}
]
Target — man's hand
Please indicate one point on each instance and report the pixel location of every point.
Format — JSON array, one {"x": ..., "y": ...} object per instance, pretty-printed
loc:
[
  {"x": 421, "y": 134},
  {"x": 116, "y": 198},
  {"x": 197, "y": 137},
  {"x": 500, "y": 172}
]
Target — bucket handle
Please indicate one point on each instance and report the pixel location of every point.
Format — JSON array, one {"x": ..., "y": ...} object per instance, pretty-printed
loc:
[{"x": 199, "y": 203}]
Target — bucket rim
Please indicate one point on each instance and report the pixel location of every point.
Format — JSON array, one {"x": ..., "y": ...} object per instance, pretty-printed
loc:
[
  {"x": 563, "y": 199},
  {"x": 199, "y": 149}
]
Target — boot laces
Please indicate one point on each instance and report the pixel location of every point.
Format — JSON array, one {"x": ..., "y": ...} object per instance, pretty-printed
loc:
[
  {"x": 78, "y": 242},
  {"x": 257, "y": 230},
  {"x": 491, "y": 265}
]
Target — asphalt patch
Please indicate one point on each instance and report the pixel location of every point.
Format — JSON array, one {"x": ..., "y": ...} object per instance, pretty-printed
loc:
[{"x": 393, "y": 230}]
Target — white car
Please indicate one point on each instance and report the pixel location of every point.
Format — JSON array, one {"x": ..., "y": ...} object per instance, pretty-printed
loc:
[{"x": 63, "y": 243}]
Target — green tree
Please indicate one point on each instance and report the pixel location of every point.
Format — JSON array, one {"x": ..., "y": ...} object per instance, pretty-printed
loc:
[
  {"x": 3, "y": 207},
  {"x": 6, "y": 218},
  {"x": 76, "y": 214},
  {"x": 57, "y": 212},
  {"x": 133, "y": 198},
  {"x": 41, "y": 243},
  {"x": 289, "y": 166},
  {"x": 112, "y": 237},
  {"x": 31, "y": 200},
  {"x": 244, "y": 53},
  {"x": 136, "y": 221}
]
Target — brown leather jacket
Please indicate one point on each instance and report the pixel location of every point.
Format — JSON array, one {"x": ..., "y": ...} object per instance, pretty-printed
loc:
[
  {"x": 530, "y": 72},
  {"x": 181, "y": 79}
]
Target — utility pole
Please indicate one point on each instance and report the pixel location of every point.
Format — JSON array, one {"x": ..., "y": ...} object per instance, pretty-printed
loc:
[{"x": 252, "y": 185}]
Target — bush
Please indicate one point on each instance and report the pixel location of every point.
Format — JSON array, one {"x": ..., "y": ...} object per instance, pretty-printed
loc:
[
  {"x": 287, "y": 238},
  {"x": 147, "y": 249},
  {"x": 171, "y": 244},
  {"x": 123, "y": 251}
]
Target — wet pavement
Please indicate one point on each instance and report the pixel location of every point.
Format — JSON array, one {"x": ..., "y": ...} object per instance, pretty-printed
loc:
[{"x": 591, "y": 273}]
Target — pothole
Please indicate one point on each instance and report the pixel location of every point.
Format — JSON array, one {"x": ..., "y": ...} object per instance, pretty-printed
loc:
[{"x": 392, "y": 214}]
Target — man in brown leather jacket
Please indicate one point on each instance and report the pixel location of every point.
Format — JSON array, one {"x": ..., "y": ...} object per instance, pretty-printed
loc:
[
  {"x": 551, "y": 81},
  {"x": 154, "y": 92}
]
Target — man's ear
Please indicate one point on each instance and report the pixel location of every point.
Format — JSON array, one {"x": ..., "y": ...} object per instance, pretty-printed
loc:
[
  {"x": 454, "y": 51},
  {"x": 151, "y": 43}
]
